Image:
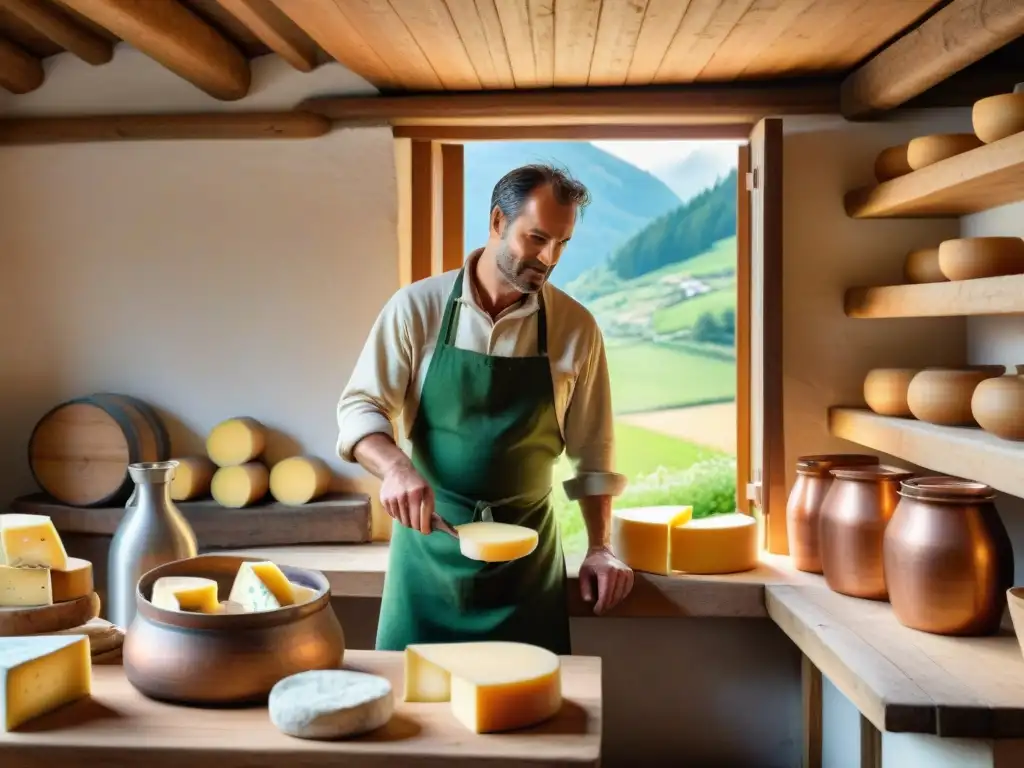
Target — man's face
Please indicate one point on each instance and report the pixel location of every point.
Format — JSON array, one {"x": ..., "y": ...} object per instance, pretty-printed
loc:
[{"x": 529, "y": 247}]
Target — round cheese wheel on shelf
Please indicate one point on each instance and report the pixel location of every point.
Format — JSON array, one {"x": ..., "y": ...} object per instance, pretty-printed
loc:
[
  {"x": 299, "y": 479},
  {"x": 241, "y": 485},
  {"x": 717, "y": 544},
  {"x": 236, "y": 441},
  {"x": 928, "y": 150},
  {"x": 892, "y": 163},
  {"x": 640, "y": 536},
  {"x": 192, "y": 478},
  {"x": 330, "y": 703}
]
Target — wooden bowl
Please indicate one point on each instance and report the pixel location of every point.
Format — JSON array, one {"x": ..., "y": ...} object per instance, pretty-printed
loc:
[
  {"x": 968, "y": 258},
  {"x": 998, "y": 406},
  {"x": 997, "y": 117},
  {"x": 885, "y": 390},
  {"x": 943, "y": 395},
  {"x": 922, "y": 266},
  {"x": 207, "y": 659},
  {"x": 927, "y": 150},
  {"x": 892, "y": 163}
]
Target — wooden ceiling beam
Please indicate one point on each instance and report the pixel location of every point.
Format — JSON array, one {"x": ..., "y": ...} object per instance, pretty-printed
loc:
[
  {"x": 955, "y": 37},
  {"x": 458, "y": 134},
  {"x": 276, "y": 30},
  {"x": 217, "y": 125},
  {"x": 169, "y": 33},
  {"x": 20, "y": 72},
  {"x": 62, "y": 30},
  {"x": 696, "y": 104}
]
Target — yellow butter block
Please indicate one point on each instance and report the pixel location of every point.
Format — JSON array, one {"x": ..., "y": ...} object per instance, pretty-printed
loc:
[
  {"x": 186, "y": 593},
  {"x": 495, "y": 542},
  {"x": 492, "y": 686},
  {"x": 31, "y": 541},
  {"x": 716, "y": 544},
  {"x": 640, "y": 536}
]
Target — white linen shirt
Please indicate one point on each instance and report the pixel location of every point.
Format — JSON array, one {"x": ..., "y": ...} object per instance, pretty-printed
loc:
[{"x": 392, "y": 368}]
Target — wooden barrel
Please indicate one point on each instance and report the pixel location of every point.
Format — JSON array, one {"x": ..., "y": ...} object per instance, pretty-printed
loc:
[{"x": 80, "y": 450}]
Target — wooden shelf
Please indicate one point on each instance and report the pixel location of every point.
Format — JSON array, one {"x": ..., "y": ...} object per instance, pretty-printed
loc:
[
  {"x": 960, "y": 451},
  {"x": 974, "y": 181},
  {"x": 984, "y": 296}
]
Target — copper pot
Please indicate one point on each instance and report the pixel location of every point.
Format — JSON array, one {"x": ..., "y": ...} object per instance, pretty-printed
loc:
[
  {"x": 196, "y": 658},
  {"x": 854, "y": 516},
  {"x": 812, "y": 483},
  {"x": 948, "y": 558}
]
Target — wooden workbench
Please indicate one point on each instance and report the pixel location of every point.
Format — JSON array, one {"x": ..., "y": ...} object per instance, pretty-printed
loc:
[{"x": 120, "y": 728}]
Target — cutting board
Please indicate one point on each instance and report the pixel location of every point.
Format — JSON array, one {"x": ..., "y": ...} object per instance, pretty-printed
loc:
[{"x": 337, "y": 518}]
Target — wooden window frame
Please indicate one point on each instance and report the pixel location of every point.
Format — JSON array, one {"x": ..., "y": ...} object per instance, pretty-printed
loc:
[{"x": 431, "y": 184}]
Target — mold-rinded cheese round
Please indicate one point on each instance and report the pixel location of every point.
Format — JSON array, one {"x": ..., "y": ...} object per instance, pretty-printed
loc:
[
  {"x": 192, "y": 478},
  {"x": 640, "y": 536},
  {"x": 496, "y": 542},
  {"x": 75, "y": 580},
  {"x": 185, "y": 593},
  {"x": 492, "y": 685},
  {"x": 299, "y": 479},
  {"x": 236, "y": 441},
  {"x": 716, "y": 544},
  {"x": 241, "y": 485},
  {"x": 330, "y": 703}
]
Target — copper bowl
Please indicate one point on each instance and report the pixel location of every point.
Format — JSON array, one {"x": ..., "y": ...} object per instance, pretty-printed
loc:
[{"x": 203, "y": 659}]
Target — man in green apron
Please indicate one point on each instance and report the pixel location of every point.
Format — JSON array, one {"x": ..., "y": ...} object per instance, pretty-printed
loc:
[{"x": 495, "y": 372}]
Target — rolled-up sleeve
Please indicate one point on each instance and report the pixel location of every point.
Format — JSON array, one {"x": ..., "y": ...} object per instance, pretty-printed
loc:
[
  {"x": 590, "y": 429},
  {"x": 373, "y": 398}
]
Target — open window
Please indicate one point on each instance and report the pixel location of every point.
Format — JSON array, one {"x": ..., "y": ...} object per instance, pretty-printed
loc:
[{"x": 689, "y": 302}]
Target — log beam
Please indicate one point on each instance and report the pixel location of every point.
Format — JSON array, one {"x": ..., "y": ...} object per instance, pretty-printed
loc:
[
  {"x": 276, "y": 30},
  {"x": 958, "y": 35},
  {"x": 20, "y": 72},
  {"x": 62, "y": 30},
  {"x": 169, "y": 33}
]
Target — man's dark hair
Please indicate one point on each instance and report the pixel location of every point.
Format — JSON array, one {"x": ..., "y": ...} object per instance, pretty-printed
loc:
[{"x": 513, "y": 189}]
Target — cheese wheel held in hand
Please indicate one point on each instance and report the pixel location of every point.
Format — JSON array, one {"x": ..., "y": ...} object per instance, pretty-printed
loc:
[{"x": 495, "y": 542}]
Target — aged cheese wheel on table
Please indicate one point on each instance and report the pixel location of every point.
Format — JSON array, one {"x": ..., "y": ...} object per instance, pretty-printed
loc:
[
  {"x": 236, "y": 441},
  {"x": 192, "y": 478},
  {"x": 28, "y": 541},
  {"x": 640, "y": 536},
  {"x": 241, "y": 485},
  {"x": 330, "y": 703},
  {"x": 496, "y": 542},
  {"x": 492, "y": 685},
  {"x": 80, "y": 450},
  {"x": 185, "y": 593},
  {"x": 41, "y": 673},
  {"x": 299, "y": 479},
  {"x": 716, "y": 544}
]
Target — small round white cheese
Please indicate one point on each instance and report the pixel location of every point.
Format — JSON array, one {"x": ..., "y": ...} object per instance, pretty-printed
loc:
[{"x": 330, "y": 703}]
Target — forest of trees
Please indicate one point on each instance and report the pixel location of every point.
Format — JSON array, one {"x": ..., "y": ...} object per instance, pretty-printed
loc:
[{"x": 681, "y": 234}]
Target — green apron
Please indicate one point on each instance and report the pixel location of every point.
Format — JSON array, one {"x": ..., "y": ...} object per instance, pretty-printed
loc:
[{"x": 486, "y": 436}]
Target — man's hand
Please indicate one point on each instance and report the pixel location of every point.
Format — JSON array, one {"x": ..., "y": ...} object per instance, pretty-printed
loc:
[
  {"x": 407, "y": 497},
  {"x": 612, "y": 577}
]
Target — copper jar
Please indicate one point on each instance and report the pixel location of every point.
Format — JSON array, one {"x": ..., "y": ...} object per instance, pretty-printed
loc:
[
  {"x": 948, "y": 558},
  {"x": 802, "y": 520},
  {"x": 854, "y": 516},
  {"x": 203, "y": 659}
]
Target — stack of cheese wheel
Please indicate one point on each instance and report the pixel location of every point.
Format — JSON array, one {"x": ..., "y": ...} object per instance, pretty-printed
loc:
[
  {"x": 236, "y": 446},
  {"x": 299, "y": 480},
  {"x": 666, "y": 539}
]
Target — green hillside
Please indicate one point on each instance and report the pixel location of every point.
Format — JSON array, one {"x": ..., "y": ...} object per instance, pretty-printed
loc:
[{"x": 625, "y": 199}]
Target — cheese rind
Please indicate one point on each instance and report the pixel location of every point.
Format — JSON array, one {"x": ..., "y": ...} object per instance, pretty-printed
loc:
[
  {"x": 236, "y": 441},
  {"x": 717, "y": 544},
  {"x": 31, "y": 541},
  {"x": 40, "y": 673},
  {"x": 330, "y": 703},
  {"x": 192, "y": 478},
  {"x": 496, "y": 542},
  {"x": 239, "y": 486},
  {"x": 20, "y": 587},
  {"x": 492, "y": 685},
  {"x": 640, "y": 536},
  {"x": 261, "y": 586},
  {"x": 299, "y": 480},
  {"x": 75, "y": 581},
  {"x": 193, "y": 594}
]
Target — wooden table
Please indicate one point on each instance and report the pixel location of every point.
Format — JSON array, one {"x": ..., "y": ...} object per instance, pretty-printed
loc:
[{"x": 120, "y": 728}]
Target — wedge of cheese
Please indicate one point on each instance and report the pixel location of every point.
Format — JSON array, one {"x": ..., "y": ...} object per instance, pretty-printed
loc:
[
  {"x": 31, "y": 541},
  {"x": 186, "y": 593},
  {"x": 640, "y": 536},
  {"x": 261, "y": 586},
  {"x": 495, "y": 542},
  {"x": 299, "y": 480},
  {"x": 716, "y": 544},
  {"x": 23, "y": 587},
  {"x": 240, "y": 486},
  {"x": 492, "y": 686},
  {"x": 192, "y": 478},
  {"x": 302, "y": 594},
  {"x": 236, "y": 441},
  {"x": 40, "y": 673},
  {"x": 73, "y": 582}
]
